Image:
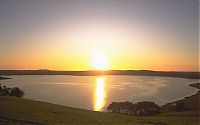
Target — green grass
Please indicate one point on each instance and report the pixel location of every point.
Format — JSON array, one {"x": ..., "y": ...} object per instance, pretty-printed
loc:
[{"x": 24, "y": 110}]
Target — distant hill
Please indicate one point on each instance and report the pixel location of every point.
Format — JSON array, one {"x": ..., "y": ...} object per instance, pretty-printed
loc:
[{"x": 190, "y": 75}]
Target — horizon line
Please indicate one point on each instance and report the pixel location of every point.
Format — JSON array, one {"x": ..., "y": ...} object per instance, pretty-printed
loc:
[{"x": 98, "y": 70}]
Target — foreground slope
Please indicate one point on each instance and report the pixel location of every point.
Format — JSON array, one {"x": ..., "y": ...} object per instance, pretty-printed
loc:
[{"x": 19, "y": 111}]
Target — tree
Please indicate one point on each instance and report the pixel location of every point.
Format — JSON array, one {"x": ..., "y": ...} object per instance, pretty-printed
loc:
[
  {"x": 113, "y": 107},
  {"x": 1, "y": 89},
  {"x": 5, "y": 91},
  {"x": 16, "y": 92},
  {"x": 127, "y": 108},
  {"x": 146, "y": 108}
]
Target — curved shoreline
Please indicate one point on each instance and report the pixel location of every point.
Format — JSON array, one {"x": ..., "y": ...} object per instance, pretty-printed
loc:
[
  {"x": 195, "y": 85},
  {"x": 4, "y": 78}
]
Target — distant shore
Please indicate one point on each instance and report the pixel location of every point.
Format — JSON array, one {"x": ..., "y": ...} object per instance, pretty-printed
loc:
[{"x": 176, "y": 74}]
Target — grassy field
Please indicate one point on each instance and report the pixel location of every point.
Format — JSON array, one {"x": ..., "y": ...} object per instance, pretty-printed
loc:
[{"x": 19, "y": 111}]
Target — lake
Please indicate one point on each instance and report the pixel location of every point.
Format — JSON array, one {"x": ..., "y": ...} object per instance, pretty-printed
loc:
[{"x": 97, "y": 92}]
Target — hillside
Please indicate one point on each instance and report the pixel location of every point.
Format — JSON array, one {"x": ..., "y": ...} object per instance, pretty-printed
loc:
[
  {"x": 190, "y": 103},
  {"x": 19, "y": 111}
]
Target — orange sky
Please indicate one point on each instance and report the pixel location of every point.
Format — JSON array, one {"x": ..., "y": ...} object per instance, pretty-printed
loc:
[{"x": 130, "y": 35}]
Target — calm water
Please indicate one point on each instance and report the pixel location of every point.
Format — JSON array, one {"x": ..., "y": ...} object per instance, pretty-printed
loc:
[{"x": 97, "y": 92}]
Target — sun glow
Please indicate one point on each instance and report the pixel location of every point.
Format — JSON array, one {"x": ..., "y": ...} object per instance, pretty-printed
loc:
[
  {"x": 99, "y": 61},
  {"x": 99, "y": 94}
]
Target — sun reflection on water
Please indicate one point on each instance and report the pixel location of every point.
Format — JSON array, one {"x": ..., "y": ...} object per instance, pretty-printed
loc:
[{"x": 99, "y": 94}]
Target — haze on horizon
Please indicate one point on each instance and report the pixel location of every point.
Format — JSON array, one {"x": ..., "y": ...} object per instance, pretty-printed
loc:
[{"x": 130, "y": 34}]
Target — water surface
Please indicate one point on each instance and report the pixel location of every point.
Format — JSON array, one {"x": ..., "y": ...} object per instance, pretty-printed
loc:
[{"x": 97, "y": 92}]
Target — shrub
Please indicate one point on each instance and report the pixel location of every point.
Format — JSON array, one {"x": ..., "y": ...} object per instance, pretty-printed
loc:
[
  {"x": 4, "y": 91},
  {"x": 16, "y": 92}
]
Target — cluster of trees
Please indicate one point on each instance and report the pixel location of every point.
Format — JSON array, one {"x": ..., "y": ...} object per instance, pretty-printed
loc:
[
  {"x": 4, "y": 91},
  {"x": 144, "y": 108}
]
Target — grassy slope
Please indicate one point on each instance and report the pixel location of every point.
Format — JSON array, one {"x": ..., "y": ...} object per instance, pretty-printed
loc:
[{"x": 46, "y": 113}]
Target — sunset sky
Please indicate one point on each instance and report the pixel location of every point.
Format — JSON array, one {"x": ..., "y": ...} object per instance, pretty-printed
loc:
[{"x": 99, "y": 34}]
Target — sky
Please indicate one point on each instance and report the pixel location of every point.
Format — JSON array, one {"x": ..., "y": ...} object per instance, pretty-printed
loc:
[{"x": 127, "y": 34}]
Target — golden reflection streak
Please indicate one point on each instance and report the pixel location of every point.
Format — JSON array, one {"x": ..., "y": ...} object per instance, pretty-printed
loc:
[{"x": 99, "y": 94}]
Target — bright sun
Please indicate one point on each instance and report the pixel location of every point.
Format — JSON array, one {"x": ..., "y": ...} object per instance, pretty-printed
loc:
[{"x": 99, "y": 61}]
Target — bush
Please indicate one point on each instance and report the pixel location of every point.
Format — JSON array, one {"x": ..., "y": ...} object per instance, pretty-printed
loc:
[
  {"x": 146, "y": 108},
  {"x": 4, "y": 91},
  {"x": 16, "y": 92}
]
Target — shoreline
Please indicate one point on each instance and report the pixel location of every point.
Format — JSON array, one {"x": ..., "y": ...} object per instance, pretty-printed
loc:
[
  {"x": 4, "y": 78},
  {"x": 190, "y": 102},
  {"x": 195, "y": 85}
]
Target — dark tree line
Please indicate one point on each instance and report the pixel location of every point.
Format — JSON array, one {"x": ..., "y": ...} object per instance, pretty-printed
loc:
[
  {"x": 144, "y": 108},
  {"x": 4, "y": 91}
]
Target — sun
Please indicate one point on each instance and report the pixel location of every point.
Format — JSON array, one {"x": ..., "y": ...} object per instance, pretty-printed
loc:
[{"x": 99, "y": 61}]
